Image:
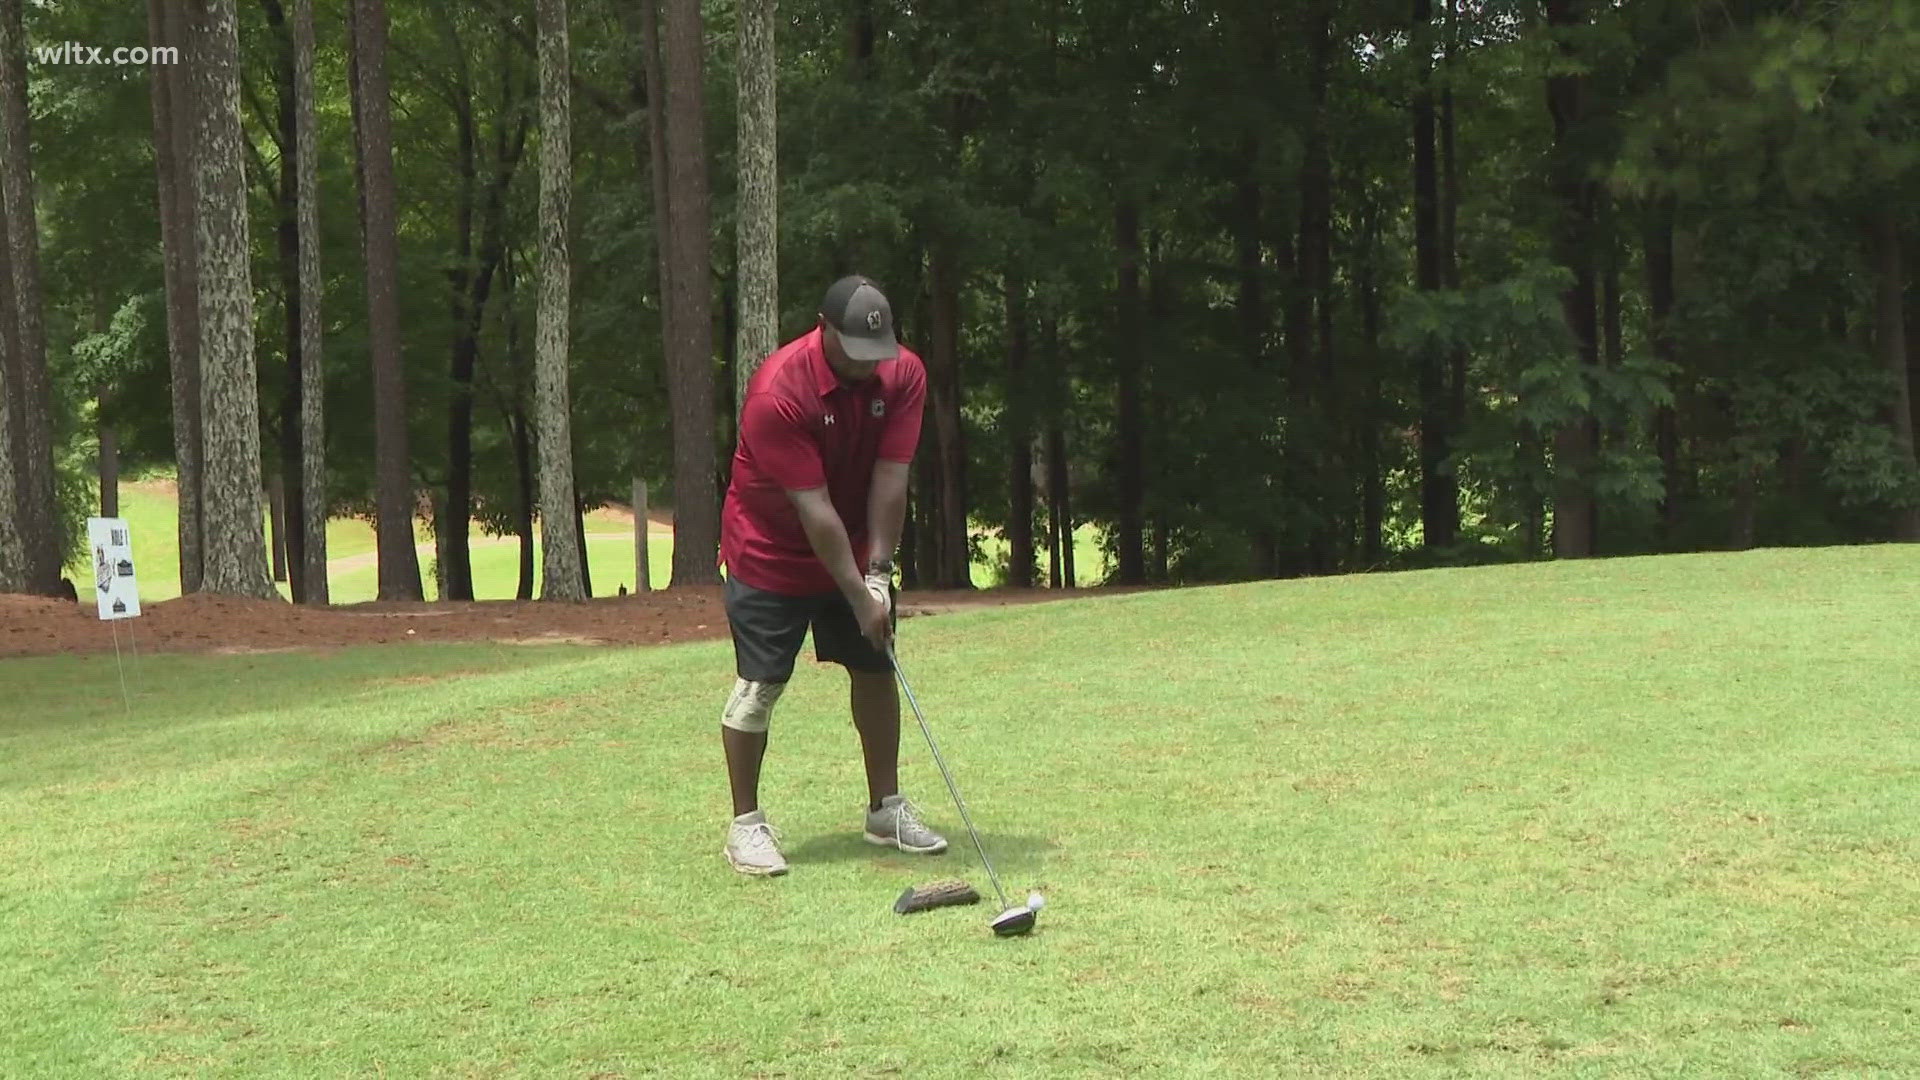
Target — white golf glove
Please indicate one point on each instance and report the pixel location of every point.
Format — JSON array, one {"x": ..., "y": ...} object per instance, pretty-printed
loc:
[{"x": 880, "y": 585}]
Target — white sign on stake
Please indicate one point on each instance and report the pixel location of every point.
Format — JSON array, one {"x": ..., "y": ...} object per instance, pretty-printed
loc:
[{"x": 114, "y": 587}]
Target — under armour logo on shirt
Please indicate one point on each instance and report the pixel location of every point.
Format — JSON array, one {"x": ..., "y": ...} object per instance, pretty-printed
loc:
[{"x": 829, "y": 419}]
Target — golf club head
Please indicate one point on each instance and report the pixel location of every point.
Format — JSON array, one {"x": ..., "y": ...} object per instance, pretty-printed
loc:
[{"x": 1014, "y": 920}]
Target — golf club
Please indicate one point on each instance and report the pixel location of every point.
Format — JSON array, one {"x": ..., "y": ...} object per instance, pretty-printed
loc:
[{"x": 1013, "y": 919}]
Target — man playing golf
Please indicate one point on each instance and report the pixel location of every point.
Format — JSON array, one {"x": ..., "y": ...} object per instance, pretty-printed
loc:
[{"x": 812, "y": 516}]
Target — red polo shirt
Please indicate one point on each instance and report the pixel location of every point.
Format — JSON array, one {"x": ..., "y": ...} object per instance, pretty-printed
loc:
[{"x": 802, "y": 429}]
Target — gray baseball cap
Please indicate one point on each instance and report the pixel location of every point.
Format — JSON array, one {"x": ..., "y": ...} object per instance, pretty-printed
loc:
[{"x": 857, "y": 308}]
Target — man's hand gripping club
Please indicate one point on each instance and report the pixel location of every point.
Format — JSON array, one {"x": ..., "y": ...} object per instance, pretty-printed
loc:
[{"x": 880, "y": 588}]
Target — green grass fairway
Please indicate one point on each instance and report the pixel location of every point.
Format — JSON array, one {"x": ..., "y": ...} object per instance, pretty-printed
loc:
[{"x": 1648, "y": 817}]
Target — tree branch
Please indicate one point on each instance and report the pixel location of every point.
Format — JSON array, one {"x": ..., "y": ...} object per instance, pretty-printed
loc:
[
  {"x": 595, "y": 96},
  {"x": 268, "y": 120}
]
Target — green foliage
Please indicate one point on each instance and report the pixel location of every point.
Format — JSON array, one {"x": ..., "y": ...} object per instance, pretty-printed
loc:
[
  {"x": 1763, "y": 132},
  {"x": 77, "y": 496},
  {"x": 107, "y": 357}
]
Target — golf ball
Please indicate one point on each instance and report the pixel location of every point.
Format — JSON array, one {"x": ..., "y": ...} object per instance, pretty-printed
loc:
[{"x": 1035, "y": 901}]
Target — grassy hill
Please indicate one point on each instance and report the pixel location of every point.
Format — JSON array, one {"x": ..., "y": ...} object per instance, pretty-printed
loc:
[{"x": 1635, "y": 817}]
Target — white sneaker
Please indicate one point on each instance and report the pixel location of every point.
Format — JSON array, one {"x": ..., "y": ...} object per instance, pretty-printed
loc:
[
  {"x": 753, "y": 847},
  {"x": 897, "y": 824}
]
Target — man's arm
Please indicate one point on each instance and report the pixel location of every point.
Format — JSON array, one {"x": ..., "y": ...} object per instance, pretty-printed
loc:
[
  {"x": 777, "y": 433},
  {"x": 828, "y": 535},
  {"x": 886, "y": 510},
  {"x": 887, "y": 498}
]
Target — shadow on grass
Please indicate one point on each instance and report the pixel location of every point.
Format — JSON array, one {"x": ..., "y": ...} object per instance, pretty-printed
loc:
[{"x": 1006, "y": 851}]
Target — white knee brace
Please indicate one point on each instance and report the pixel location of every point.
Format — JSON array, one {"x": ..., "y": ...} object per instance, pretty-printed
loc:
[{"x": 750, "y": 706}]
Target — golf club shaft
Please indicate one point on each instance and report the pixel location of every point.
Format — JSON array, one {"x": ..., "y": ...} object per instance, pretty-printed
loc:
[{"x": 948, "y": 776}]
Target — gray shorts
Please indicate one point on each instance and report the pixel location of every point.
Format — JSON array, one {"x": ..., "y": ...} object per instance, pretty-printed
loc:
[{"x": 768, "y": 628}]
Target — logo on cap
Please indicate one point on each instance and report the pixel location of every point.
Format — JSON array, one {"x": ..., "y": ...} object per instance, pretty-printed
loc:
[{"x": 873, "y": 319}]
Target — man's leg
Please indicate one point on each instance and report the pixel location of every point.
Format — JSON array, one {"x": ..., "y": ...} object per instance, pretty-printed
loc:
[
  {"x": 767, "y": 631},
  {"x": 890, "y": 819},
  {"x": 745, "y": 751},
  {"x": 876, "y": 715}
]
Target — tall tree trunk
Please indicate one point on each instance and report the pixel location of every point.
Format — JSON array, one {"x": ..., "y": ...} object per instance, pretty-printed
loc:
[
  {"x": 655, "y": 94},
  {"x": 1574, "y": 512},
  {"x": 523, "y": 516},
  {"x": 863, "y": 68},
  {"x": 277, "y": 524},
  {"x": 109, "y": 466},
  {"x": 289, "y": 523},
  {"x": 642, "y": 555},
  {"x": 39, "y": 516},
  {"x": 455, "y": 512},
  {"x": 729, "y": 356},
  {"x": 649, "y": 96},
  {"x": 1744, "y": 527},
  {"x": 14, "y": 403},
  {"x": 910, "y": 576},
  {"x": 1891, "y": 336},
  {"x": 1132, "y": 568},
  {"x": 1316, "y": 274},
  {"x": 580, "y": 535},
  {"x": 948, "y": 534},
  {"x": 1912, "y": 334},
  {"x": 758, "y": 242},
  {"x": 1158, "y": 392},
  {"x": 1449, "y": 156},
  {"x": 1059, "y": 498},
  {"x": 1439, "y": 489},
  {"x": 1019, "y": 431},
  {"x": 1457, "y": 357},
  {"x": 1061, "y": 508},
  {"x": 1251, "y": 307},
  {"x": 1534, "y": 453},
  {"x": 313, "y": 444},
  {"x": 1373, "y": 493},
  {"x": 236, "y": 554},
  {"x": 924, "y": 492},
  {"x": 399, "y": 574},
  {"x": 1613, "y": 349},
  {"x": 561, "y": 563},
  {"x": 520, "y": 432},
  {"x": 472, "y": 286},
  {"x": 13, "y": 556},
  {"x": 1053, "y": 535},
  {"x": 696, "y": 510},
  {"x": 1660, "y": 297},
  {"x": 1161, "y": 565},
  {"x": 172, "y": 107},
  {"x": 649, "y": 93}
]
